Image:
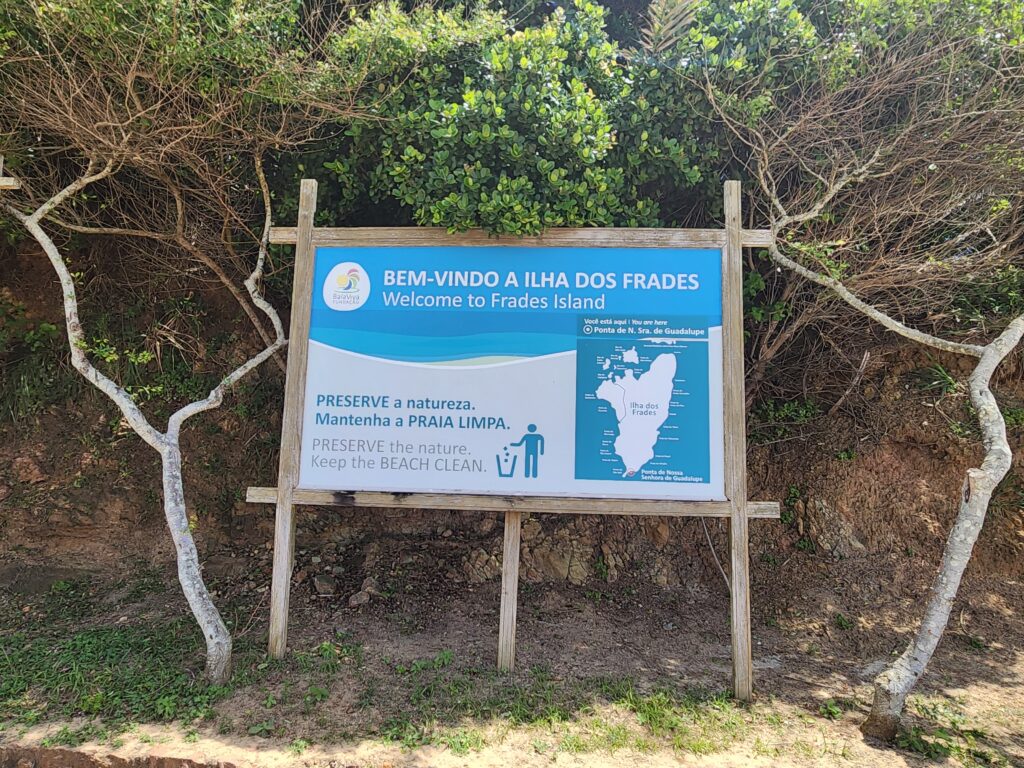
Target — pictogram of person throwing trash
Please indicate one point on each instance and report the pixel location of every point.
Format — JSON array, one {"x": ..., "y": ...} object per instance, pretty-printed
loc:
[{"x": 533, "y": 448}]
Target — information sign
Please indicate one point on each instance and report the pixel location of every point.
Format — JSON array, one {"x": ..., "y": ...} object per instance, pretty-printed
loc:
[{"x": 515, "y": 370}]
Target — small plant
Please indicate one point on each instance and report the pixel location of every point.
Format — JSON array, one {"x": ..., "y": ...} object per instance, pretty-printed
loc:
[
  {"x": 68, "y": 737},
  {"x": 842, "y": 622},
  {"x": 443, "y": 659},
  {"x": 830, "y": 710},
  {"x": 440, "y": 661},
  {"x": 788, "y": 514},
  {"x": 1014, "y": 417},
  {"x": 462, "y": 741},
  {"x": 403, "y": 731},
  {"x": 976, "y": 643},
  {"x": 572, "y": 743},
  {"x": 961, "y": 429},
  {"x": 601, "y": 568},
  {"x": 935, "y": 378},
  {"x": 167, "y": 707},
  {"x": 914, "y": 739},
  {"x": 804, "y": 544},
  {"x": 298, "y": 746},
  {"x": 774, "y": 420},
  {"x": 315, "y": 695},
  {"x": 847, "y": 454},
  {"x": 263, "y": 729}
]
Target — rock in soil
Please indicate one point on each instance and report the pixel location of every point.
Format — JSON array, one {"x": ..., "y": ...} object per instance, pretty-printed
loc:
[{"x": 324, "y": 584}]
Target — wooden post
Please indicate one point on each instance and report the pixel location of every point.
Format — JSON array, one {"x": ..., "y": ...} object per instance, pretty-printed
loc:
[
  {"x": 509, "y": 592},
  {"x": 291, "y": 423},
  {"x": 736, "y": 441},
  {"x": 7, "y": 182}
]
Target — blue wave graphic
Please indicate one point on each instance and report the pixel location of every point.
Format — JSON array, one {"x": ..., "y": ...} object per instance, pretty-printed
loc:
[{"x": 423, "y": 349}]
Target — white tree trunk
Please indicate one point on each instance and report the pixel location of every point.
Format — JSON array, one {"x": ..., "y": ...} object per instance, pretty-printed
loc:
[
  {"x": 894, "y": 684},
  {"x": 218, "y": 639},
  {"x": 168, "y": 444}
]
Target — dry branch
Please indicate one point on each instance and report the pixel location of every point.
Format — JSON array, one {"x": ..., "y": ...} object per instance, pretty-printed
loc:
[{"x": 890, "y": 190}]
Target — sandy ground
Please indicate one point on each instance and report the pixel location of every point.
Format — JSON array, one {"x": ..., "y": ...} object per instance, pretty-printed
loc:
[{"x": 656, "y": 638}]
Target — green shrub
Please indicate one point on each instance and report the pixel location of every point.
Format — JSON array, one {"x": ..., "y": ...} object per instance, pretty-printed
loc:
[
  {"x": 34, "y": 368},
  {"x": 544, "y": 127}
]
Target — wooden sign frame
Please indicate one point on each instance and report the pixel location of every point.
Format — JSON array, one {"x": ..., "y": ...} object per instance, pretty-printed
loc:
[
  {"x": 736, "y": 508},
  {"x": 7, "y": 182}
]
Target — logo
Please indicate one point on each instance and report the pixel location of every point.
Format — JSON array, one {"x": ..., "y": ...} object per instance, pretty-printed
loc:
[{"x": 347, "y": 287}]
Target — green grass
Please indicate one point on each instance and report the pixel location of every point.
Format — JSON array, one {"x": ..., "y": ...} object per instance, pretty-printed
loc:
[
  {"x": 775, "y": 420},
  {"x": 936, "y": 379},
  {"x": 697, "y": 722},
  {"x": 574, "y": 717},
  {"x": 65, "y": 661},
  {"x": 34, "y": 368},
  {"x": 944, "y": 732},
  {"x": 1014, "y": 417},
  {"x": 116, "y": 674},
  {"x": 793, "y": 495}
]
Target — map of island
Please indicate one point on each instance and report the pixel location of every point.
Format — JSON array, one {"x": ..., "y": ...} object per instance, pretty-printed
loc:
[{"x": 641, "y": 405}]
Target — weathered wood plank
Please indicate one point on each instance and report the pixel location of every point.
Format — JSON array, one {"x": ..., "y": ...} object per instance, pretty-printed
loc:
[
  {"x": 736, "y": 442},
  {"x": 621, "y": 238},
  {"x": 291, "y": 423},
  {"x": 539, "y": 504},
  {"x": 509, "y": 592},
  {"x": 7, "y": 182}
]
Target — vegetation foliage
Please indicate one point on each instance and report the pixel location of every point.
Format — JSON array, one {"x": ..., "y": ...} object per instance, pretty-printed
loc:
[{"x": 516, "y": 119}]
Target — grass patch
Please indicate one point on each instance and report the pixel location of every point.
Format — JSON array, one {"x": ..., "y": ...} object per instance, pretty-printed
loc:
[
  {"x": 697, "y": 722},
  {"x": 571, "y": 717},
  {"x": 115, "y": 674},
  {"x": 945, "y": 733},
  {"x": 937, "y": 380},
  {"x": 1014, "y": 417},
  {"x": 775, "y": 420}
]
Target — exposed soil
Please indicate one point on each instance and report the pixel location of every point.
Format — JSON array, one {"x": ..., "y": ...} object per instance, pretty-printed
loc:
[{"x": 673, "y": 638}]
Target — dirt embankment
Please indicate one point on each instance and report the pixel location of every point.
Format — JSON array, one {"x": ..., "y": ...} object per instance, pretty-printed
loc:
[{"x": 876, "y": 473}]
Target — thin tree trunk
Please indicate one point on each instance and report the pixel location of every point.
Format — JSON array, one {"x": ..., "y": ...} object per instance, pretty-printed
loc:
[
  {"x": 167, "y": 444},
  {"x": 218, "y": 639},
  {"x": 894, "y": 684}
]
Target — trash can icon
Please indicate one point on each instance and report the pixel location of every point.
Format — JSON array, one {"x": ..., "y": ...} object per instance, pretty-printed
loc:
[{"x": 506, "y": 463}]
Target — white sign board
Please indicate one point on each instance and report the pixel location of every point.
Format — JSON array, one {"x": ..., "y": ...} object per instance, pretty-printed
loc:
[{"x": 536, "y": 371}]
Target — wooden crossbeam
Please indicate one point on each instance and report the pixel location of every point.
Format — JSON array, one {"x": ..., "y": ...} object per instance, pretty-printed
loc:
[
  {"x": 486, "y": 503},
  {"x": 7, "y": 182},
  {"x": 636, "y": 238}
]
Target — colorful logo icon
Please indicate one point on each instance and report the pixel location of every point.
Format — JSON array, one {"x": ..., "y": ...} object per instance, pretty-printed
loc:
[
  {"x": 347, "y": 287},
  {"x": 349, "y": 281}
]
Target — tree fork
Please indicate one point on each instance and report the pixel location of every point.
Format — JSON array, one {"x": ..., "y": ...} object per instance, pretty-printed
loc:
[
  {"x": 167, "y": 444},
  {"x": 894, "y": 684}
]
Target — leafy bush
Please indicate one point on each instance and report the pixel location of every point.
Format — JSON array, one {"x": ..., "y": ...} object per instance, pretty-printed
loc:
[
  {"x": 543, "y": 127},
  {"x": 34, "y": 372}
]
